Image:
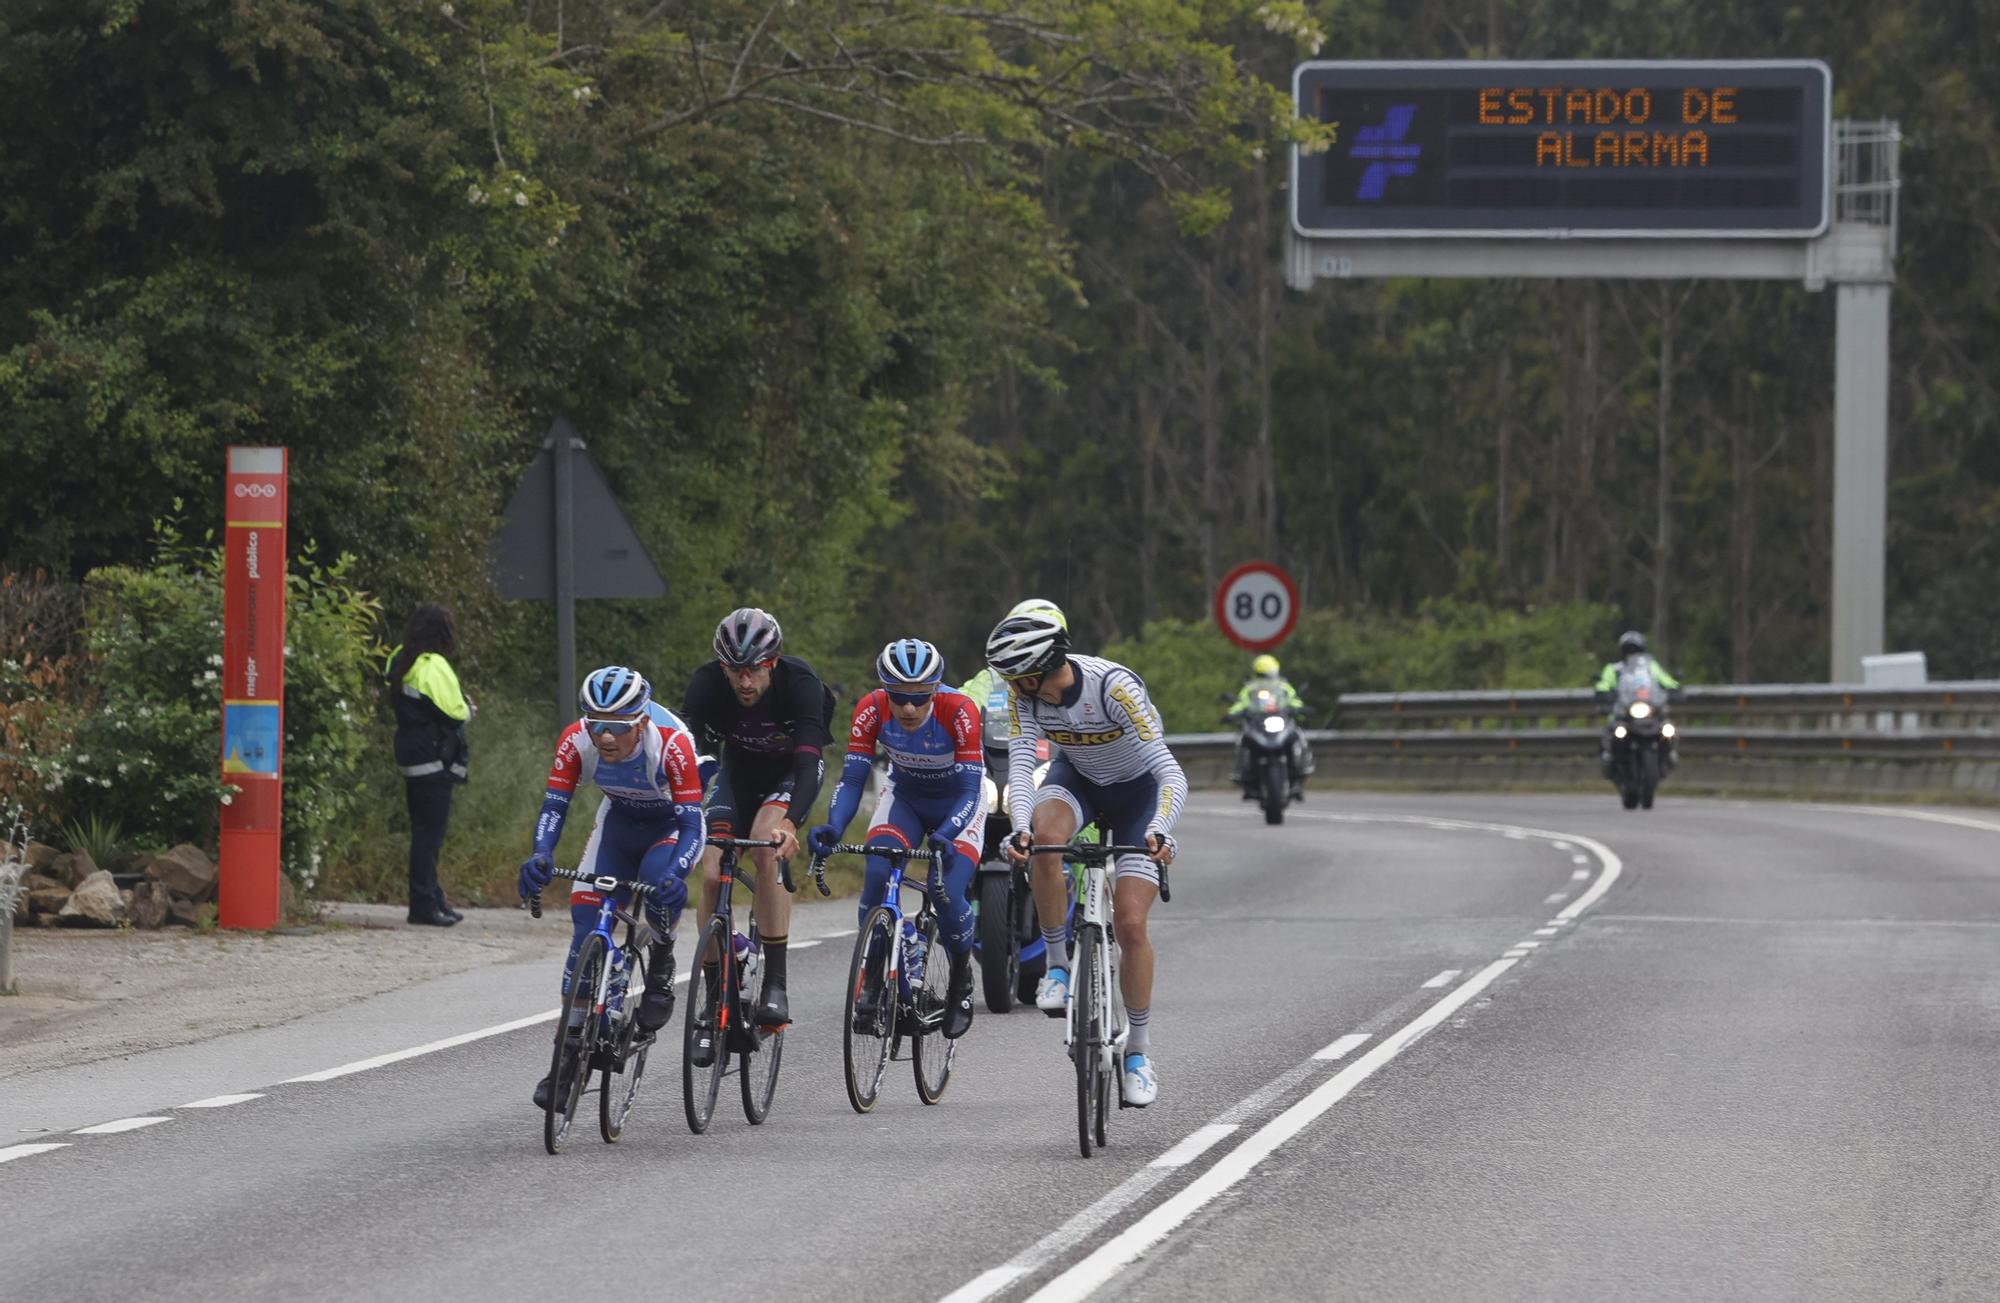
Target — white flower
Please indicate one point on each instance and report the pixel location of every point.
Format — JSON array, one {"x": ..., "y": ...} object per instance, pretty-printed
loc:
[
  {"x": 474, "y": 195},
  {"x": 520, "y": 199},
  {"x": 83, "y": 759},
  {"x": 446, "y": 10},
  {"x": 552, "y": 241},
  {"x": 228, "y": 798},
  {"x": 124, "y": 768}
]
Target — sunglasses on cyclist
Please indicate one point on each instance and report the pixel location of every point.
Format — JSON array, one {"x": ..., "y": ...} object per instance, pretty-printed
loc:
[
  {"x": 1025, "y": 684},
  {"x": 609, "y": 727},
  {"x": 910, "y": 698},
  {"x": 744, "y": 669}
]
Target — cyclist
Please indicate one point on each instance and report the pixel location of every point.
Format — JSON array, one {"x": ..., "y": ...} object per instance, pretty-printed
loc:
[
  {"x": 1111, "y": 764},
  {"x": 649, "y": 826},
  {"x": 769, "y": 713},
  {"x": 986, "y": 688},
  {"x": 934, "y": 797}
]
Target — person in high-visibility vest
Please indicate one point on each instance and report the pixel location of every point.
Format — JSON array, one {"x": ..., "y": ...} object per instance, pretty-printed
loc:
[{"x": 431, "y": 712}]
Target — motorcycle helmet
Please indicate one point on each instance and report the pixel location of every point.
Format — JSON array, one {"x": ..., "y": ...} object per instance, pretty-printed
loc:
[
  {"x": 1631, "y": 643},
  {"x": 1264, "y": 666}
]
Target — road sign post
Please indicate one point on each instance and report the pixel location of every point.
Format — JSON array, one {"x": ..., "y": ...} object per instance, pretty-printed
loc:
[
  {"x": 1256, "y": 606},
  {"x": 253, "y": 686}
]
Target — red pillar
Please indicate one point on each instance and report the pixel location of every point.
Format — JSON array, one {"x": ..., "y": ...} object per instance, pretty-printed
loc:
[{"x": 253, "y": 686}]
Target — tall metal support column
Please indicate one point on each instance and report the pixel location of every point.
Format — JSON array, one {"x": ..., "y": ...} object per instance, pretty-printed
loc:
[{"x": 1860, "y": 474}]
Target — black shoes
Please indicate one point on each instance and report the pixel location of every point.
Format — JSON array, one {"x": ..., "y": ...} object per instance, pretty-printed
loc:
[
  {"x": 570, "y": 1062},
  {"x": 773, "y": 1010},
  {"x": 656, "y": 1009},
  {"x": 702, "y": 1053},
  {"x": 436, "y": 916},
  {"x": 958, "y": 998}
]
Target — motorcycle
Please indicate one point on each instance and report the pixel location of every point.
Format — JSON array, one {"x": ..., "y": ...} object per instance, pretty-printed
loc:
[
  {"x": 1640, "y": 750},
  {"x": 1268, "y": 752},
  {"x": 1008, "y": 941}
]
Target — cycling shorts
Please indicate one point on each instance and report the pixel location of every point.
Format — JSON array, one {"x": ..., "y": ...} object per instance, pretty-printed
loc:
[{"x": 1123, "y": 810}]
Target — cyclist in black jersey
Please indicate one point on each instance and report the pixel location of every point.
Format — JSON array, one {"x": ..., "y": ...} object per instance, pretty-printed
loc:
[{"x": 769, "y": 714}]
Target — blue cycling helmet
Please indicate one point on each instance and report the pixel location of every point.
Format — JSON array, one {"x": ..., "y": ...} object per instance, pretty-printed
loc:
[
  {"x": 614, "y": 690},
  {"x": 909, "y": 663}
]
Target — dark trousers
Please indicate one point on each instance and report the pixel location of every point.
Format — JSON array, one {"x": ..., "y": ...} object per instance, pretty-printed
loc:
[{"x": 430, "y": 811}]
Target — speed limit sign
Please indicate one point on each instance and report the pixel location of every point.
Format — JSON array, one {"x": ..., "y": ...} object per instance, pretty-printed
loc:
[{"x": 1257, "y": 605}]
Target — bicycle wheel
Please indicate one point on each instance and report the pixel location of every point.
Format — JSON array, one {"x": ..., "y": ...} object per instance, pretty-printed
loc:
[
  {"x": 930, "y": 1053},
  {"x": 571, "y": 1059},
  {"x": 867, "y": 1046},
  {"x": 1086, "y": 1034},
  {"x": 619, "y": 1091},
  {"x": 757, "y": 1068},
  {"x": 999, "y": 959},
  {"x": 708, "y": 1012},
  {"x": 1110, "y": 1067}
]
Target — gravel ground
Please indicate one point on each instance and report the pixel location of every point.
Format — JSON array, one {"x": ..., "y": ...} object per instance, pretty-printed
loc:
[{"x": 87, "y": 994}]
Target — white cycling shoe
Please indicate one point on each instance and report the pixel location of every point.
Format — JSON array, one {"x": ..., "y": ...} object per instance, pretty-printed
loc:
[
  {"x": 1142, "y": 1084},
  {"x": 1053, "y": 993}
]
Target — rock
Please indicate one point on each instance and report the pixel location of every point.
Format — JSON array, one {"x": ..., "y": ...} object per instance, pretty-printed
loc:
[
  {"x": 95, "y": 900},
  {"x": 48, "y": 900},
  {"x": 183, "y": 911},
  {"x": 39, "y": 857},
  {"x": 43, "y": 882},
  {"x": 74, "y": 867},
  {"x": 147, "y": 907},
  {"x": 185, "y": 871}
]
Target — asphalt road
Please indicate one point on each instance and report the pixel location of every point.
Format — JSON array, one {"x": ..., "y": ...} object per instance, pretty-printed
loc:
[{"x": 1750, "y": 1053}]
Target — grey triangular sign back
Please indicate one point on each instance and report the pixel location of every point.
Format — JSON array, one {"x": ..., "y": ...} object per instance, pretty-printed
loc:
[{"x": 610, "y": 559}]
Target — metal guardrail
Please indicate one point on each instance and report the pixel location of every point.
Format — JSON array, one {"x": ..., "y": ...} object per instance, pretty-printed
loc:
[{"x": 1972, "y": 697}]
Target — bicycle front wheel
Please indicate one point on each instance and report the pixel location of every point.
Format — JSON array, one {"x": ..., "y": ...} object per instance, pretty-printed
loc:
[
  {"x": 1087, "y": 1031},
  {"x": 757, "y": 1067},
  {"x": 930, "y": 1053},
  {"x": 620, "y": 1091},
  {"x": 569, "y": 1066},
  {"x": 706, "y": 1027},
  {"x": 868, "y": 1032}
]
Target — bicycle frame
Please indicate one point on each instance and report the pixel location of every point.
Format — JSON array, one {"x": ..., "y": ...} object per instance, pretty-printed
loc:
[
  {"x": 899, "y": 858},
  {"x": 731, "y": 1016},
  {"x": 618, "y": 959}
]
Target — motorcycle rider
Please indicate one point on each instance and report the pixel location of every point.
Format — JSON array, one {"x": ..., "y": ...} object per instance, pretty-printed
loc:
[
  {"x": 1264, "y": 675},
  {"x": 1631, "y": 644}
]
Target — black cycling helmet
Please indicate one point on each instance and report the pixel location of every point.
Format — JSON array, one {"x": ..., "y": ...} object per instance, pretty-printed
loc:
[
  {"x": 1631, "y": 643},
  {"x": 748, "y": 636},
  {"x": 1021, "y": 645}
]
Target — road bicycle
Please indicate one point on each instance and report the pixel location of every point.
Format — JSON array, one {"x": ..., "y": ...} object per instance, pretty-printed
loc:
[
  {"x": 596, "y": 1031},
  {"x": 903, "y": 963},
  {"x": 1094, "y": 1027},
  {"x": 725, "y": 983}
]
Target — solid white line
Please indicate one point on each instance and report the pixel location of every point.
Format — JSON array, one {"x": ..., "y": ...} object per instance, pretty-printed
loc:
[
  {"x": 986, "y": 1284},
  {"x": 122, "y": 1124},
  {"x": 448, "y": 1042},
  {"x": 1342, "y": 1047},
  {"x": 844, "y": 932},
  {"x": 221, "y": 1101},
  {"x": 804, "y": 945},
  {"x": 12, "y": 1152},
  {"x": 1194, "y": 1146},
  {"x": 1928, "y": 816},
  {"x": 1442, "y": 978},
  {"x": 1097, "y": 1269}
]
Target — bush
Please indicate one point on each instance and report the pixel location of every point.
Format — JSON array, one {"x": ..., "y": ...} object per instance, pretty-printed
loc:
[
  {"x": 149, "y": 755},
  {"x": 1189, "y": 667}
]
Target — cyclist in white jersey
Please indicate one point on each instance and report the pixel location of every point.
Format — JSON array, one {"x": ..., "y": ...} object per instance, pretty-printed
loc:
[{"x": 1109, "y": 763}]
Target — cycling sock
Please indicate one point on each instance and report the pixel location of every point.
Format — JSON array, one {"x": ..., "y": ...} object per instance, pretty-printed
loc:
[
  {"x": 774, "y": 959},
  {"x": 1057, "y": 940},
  {"x": 1139, "y": 1039}
]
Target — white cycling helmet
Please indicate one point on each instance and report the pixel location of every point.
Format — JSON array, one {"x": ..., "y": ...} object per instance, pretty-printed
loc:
[
  {"x": 1040, "y": 606},
  {"x": 1026, "y": 644}
]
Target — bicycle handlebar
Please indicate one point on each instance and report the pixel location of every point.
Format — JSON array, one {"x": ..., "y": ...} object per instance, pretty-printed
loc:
[
  {"x": 743, "y": 843},
  {"x": 639, "y": 890},
  {"x": 904, "y": 854},
  {"x": 1094, "y": 853}
]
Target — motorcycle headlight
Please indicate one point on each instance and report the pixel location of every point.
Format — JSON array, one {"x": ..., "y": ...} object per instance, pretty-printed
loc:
[
  {"x": 1619, "y": 731},
  {"x": 1641, "y": 710},
  {"x": 1666, "y": 730},
  {"x": 1274, "y": 723}
]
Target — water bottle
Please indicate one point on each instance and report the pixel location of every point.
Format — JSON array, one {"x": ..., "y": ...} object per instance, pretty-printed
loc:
[
  {"x": 747, "y": 963},
  {"x": 621, "y": 978},
  {"x": 913, "y": 955}
]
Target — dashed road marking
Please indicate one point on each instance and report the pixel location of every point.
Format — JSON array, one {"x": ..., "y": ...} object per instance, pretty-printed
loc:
[
  {"x": 1194, "y": 1146},
  {"x": 12, "y": 1152},
  {"x": 221, "y": 1101},
  {"x": 1442, "y": 978},
  {"x": 1341, "y": 1048}
]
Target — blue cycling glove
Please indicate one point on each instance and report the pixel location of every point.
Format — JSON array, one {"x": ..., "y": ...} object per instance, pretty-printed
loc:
[
  {"x": 536, "y": 871},
  {"x": 821, "y": 839},
  {"x": 940, "y": 846}
]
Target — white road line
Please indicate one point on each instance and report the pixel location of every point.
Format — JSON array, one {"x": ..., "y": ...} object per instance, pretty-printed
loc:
[
  {"x": 1442, "y": 978},
  {"x": 1097, "y": 1269},
  {"x": 12, "y": 1152},
  {"x": 465, "y": 1038},
  {"x": 1555, "y": 898},
  {"x": 1567, "y": 846},
  {"x": 1579, "y": 859},
  {"x": 122, "y": 1124},
  {"x": 1194, "y": 1146},
  {"x": 1526, "y": 945},
  {"x": 1342, "y": 1047},
  {"x": 1580, "y": 874},
  {"x": 1928, "y": 816},
  {"x": 1516, "y": 954},
  {"x": 1546, "y": 931},
  {"x": 804, "y": 945},
  {"x": 844, "y": 932},
  {"x": 983, "y": 1286},
  {"x": 221, "y": 1101}
]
